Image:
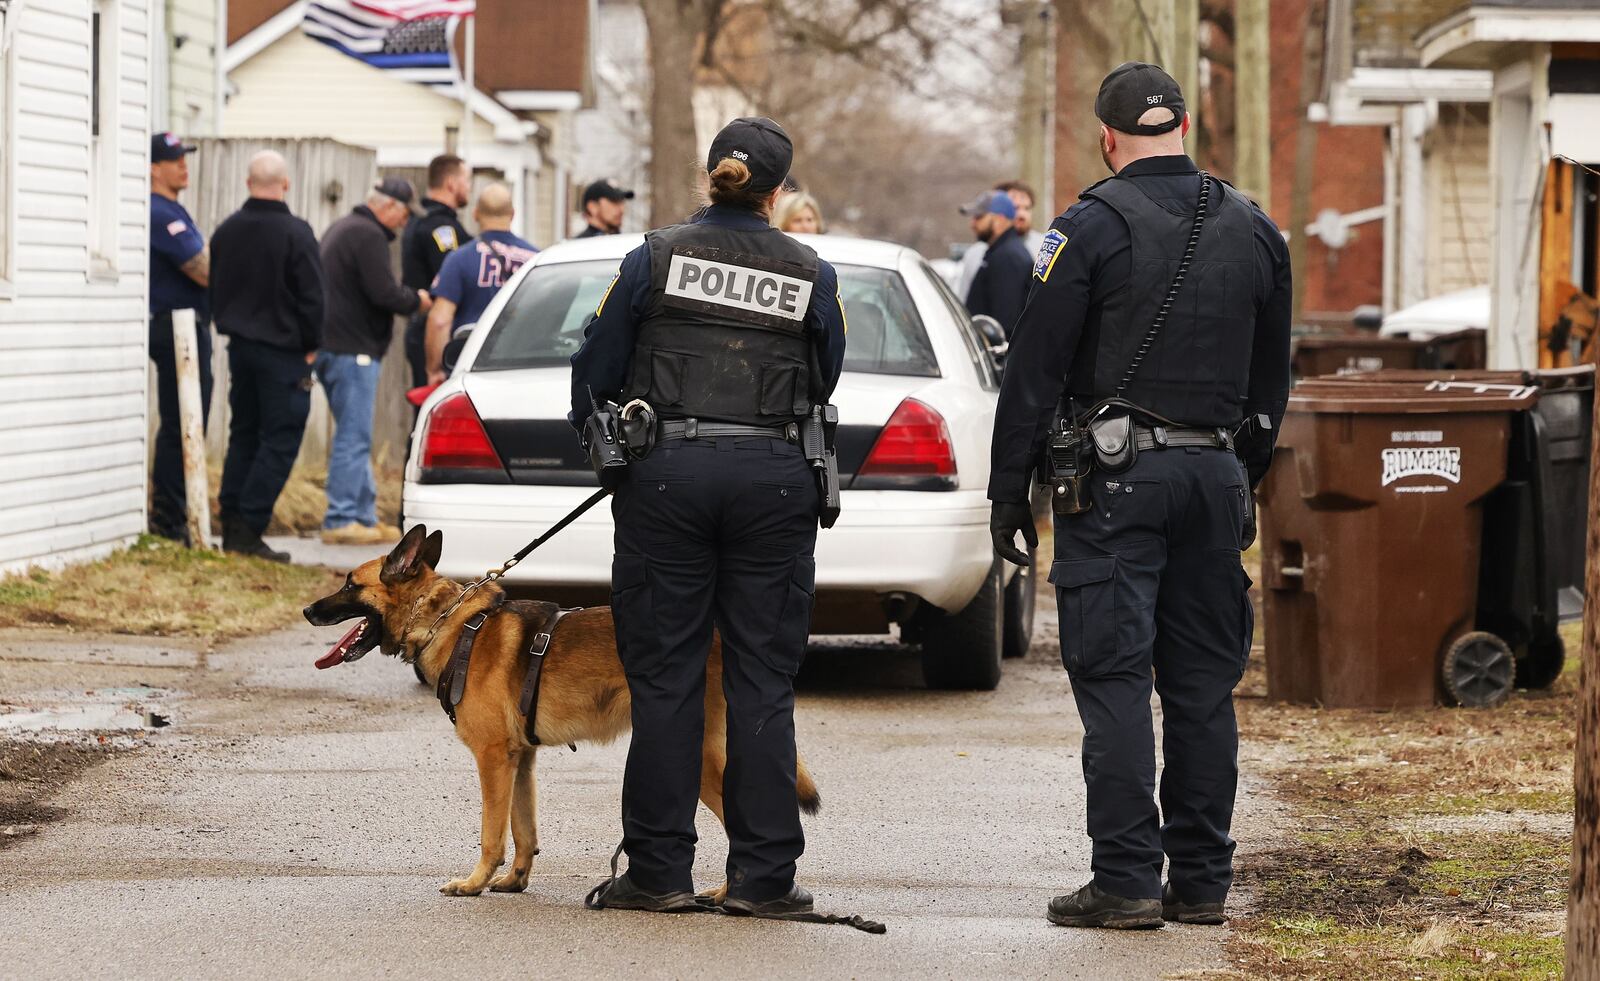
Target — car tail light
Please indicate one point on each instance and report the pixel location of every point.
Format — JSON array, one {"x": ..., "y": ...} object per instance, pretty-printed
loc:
[
  {"x": 455, "y": 438},
  {"x": 914, "y": 444}
]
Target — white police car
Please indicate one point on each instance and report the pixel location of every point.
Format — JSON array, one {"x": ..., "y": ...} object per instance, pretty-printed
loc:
[{"x": 494, "y": 462}]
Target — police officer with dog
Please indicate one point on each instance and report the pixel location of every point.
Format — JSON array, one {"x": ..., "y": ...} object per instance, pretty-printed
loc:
[
  {"x": 731, "y": 335},
  {"x": 1149, "y": 372}
]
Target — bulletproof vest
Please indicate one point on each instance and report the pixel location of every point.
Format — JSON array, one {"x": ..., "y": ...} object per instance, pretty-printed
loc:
[
  {"x": 1198, "y": 370},
  {"x": 723, "y": 335}
]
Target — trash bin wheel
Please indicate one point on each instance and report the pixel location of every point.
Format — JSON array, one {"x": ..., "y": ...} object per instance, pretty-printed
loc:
[
  {"x": 1541, "y": 665},
  {"x": 1478, "y": 670}
]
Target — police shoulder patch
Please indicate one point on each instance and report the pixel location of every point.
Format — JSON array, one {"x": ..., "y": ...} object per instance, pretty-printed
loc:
[
  {"x": 445, "y": 237},
  {"x": 1048, "y": 250}
]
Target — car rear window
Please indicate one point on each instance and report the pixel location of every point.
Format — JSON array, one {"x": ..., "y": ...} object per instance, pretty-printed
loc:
[{"x": 542, "y": 323}]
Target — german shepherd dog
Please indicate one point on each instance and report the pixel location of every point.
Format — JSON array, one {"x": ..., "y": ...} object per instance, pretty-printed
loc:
[{"x": 583, "y": 693}]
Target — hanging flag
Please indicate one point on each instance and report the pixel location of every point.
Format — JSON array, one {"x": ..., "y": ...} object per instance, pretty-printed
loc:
[{"x": 413, "y": 39}]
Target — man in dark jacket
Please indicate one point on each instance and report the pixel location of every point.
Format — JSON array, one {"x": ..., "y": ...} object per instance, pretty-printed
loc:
[
  {"x": 266, "y": 297},
  {"x": 363, "y": 298},
  {"x": 1000, "y": 288},
  {"x": 427, "y": 242}
]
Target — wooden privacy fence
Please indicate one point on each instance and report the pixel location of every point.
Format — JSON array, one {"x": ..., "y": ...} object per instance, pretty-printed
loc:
[{"x": 326, "y": 179}]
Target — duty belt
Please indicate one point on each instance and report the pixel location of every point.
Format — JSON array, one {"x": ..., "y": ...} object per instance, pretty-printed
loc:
[
  {"x": 695, "y": 429},
  {"x": 1163, "y": 437}
]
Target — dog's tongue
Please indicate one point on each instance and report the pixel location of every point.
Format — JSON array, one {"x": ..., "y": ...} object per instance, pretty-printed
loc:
[{"x": 335, "y": 653}]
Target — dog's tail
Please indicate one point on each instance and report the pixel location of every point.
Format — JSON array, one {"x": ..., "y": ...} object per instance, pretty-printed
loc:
[{"x": 810, "y": 796}]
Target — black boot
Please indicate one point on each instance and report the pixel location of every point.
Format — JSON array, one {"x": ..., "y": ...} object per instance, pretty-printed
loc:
[
  {"x": 1178, "y": 911},
  {"x": 240, "y": 538},
  {"x": 1092, "y": 906},
  {"x": 796, "y": 900},
  {"x": 621, "y": 893}
]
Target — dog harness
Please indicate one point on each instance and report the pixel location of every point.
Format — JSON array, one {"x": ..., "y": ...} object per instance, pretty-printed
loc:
[{"x": 539, "y": 618}]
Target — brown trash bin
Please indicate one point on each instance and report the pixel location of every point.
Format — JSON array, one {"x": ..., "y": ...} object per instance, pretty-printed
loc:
[
  {"x": 1371, "y": 522},
  {"x": 1340, "y": 354}
]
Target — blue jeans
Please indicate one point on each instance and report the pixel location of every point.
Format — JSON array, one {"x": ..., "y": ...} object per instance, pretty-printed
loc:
[{"x": 352, "y": 390}]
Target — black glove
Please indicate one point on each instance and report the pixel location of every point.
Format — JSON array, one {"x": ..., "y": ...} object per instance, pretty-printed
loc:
[{"x": 1006, "y": 518}]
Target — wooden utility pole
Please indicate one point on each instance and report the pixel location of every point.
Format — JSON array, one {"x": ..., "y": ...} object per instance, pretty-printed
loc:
[
  {"x": 1305, "y": 149},
  {"x": 1036, "y": 111},
  {"x": 1184, "y": 61},
  {"x": 1253, "y": 101},
  {"x": 1583, "y": 900},
  {"x": 191, "y": 419}
]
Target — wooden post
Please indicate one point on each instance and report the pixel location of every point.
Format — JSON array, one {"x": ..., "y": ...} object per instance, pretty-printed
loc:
[
  {"x": 1253, "y": 99},
  {"x": 191, "y": 416},
  {"x": 1583, "y": 899}
]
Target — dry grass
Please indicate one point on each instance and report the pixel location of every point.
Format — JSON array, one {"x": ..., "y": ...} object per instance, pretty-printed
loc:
[
  {"x": 1431, "y": 843},
  {"x": 304, "y": 499},
  {"x": 158, "y": 588}
]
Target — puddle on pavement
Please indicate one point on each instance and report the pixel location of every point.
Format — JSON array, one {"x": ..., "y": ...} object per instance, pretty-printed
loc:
[{"x": 62, "y": 716}]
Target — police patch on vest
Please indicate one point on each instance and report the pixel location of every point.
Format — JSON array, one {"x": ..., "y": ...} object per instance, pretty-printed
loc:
[
  {"x": 740, "y": 291},
  {"x": 1048, "y": 250}
]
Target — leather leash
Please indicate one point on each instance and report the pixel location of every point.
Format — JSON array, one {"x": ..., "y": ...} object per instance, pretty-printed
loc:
[{"x": 703, "y": 904}]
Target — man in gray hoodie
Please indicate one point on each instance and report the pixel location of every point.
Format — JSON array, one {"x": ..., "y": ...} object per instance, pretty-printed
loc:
[{"x": 363, "y": 298}]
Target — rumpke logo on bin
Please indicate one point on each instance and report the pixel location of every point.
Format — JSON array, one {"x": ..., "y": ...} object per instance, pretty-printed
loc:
[{"x": 1400, "y": 462}]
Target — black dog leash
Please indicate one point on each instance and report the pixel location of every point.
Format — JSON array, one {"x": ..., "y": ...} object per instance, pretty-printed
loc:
[
  {"x": 494, "y": 574},
  {"x": 703, "y": 904}
]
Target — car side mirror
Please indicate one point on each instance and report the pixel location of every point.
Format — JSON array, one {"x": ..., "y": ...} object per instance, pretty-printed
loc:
[{"x": 994, "y": 337}]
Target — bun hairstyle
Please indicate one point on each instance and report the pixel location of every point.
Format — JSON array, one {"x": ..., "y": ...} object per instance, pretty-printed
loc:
[{"x": 731, "y": 186}]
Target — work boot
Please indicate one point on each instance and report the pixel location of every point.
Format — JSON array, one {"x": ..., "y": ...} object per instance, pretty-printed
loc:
[
  {"x": 239, "y": 538},
  {"x": 1092, "y": 906},
  {"x": 796, "y": 900},
  {"x": 621, "y": 893},
  {"x": 350, "y": 534},
  {"x": 1178, "y": 911}
]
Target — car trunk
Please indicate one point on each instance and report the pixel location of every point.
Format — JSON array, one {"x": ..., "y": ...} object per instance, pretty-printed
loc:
[{"x": 524, "y": 413}]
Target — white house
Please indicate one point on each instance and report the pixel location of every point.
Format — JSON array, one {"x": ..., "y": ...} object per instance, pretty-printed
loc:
[
  {"x": 74, "y": 172},
  {"x": 187, "y": 93},
  {"x": 533, "y": 68}
]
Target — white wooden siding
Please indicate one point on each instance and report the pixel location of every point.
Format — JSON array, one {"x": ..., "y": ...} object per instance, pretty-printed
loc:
[
  {"x": 298, "y": 87},
  {"x": 73, "y": 350},
  {"x": 191, "y": 69},
  {"x": 1460, "y": 209}
]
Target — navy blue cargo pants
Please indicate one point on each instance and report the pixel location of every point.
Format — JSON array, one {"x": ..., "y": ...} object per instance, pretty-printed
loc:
[
  {"x": 714, "y": 532},
  {"x": 1150, "y": 581},
  {"x": 269, "y": 399}
]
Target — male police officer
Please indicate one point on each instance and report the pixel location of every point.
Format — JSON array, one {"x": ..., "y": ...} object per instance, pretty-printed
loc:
[
  {"x": 603, "y": 205},
  {"x": 428, "y": 240},
  {"x": 731, "y": 331},
  {"x": 1148, "y": 576},
  {"x": 180, "y": 269}
]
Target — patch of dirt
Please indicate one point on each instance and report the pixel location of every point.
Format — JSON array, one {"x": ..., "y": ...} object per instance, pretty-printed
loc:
[{"x": 30, "y": 773}]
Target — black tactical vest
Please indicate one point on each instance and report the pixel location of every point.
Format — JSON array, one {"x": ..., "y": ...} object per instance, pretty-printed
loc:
[
  {"x": 1198, "y": 370},
  {"x": 724, "y": 333}
]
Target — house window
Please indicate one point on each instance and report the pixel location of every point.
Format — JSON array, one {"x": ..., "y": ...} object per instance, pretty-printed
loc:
[{"x": 103, "y": 132}]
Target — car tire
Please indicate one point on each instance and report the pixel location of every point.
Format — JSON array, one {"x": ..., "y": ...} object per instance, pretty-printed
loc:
[
  {"x": 961, "y": 651},
  {"x": 1022, "y": 596}
]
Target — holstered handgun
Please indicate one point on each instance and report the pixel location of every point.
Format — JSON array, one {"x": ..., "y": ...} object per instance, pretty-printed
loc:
[{"x": 817, "y": 433}]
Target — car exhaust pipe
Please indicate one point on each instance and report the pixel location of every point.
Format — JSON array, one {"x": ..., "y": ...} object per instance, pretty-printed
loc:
[{"x": 900, "y": 607}]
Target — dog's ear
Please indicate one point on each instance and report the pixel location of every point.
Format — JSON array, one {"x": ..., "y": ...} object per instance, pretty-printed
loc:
[
  {"x": 432, "y": 548},
  {"x": 402, "y": 562}
]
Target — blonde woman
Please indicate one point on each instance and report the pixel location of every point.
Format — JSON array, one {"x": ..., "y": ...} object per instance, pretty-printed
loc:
[{"x": 798, "y": 213}]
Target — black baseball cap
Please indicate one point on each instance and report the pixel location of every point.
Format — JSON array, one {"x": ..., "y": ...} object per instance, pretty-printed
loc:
[
  {"x": 1134, "y": 88},
  {"x": 758, "y": 143},
  {"x": 398, "y": 188},
  {"x": 167, "y": 146},
  {"x": 605, "y": 190}
]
